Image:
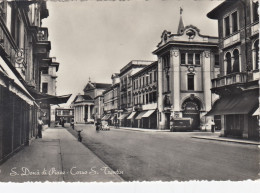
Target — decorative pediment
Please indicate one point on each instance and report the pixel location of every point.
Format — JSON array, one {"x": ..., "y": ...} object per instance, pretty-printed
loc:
[{"x": 89, "y": 86}]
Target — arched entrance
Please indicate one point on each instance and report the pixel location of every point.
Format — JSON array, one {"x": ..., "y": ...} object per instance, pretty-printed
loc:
[{"x": 191, "y": 108}]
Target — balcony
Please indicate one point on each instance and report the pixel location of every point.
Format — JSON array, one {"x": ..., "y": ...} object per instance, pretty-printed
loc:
[
  {"x": 230, "y": 79},
  {"x": 232, "y": 40}
]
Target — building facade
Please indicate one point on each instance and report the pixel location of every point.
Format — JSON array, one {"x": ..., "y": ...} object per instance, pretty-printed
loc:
[
  {"x": 144, "y": 113},
  {"x": 21, "y": 57},
  {"x": 99, "y": 107},
  {"x": 187, "y": 61},
  {"x": 111, "y": 100},
  {"x": 237, "y": 85},
  {"x": 126, "y": 105}
]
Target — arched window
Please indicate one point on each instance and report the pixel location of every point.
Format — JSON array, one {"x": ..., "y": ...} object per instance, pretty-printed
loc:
[
  {"x": 236, "y": 61},
  {"x": 256, "y": 54},
  {"x": 228, "y": 61}
]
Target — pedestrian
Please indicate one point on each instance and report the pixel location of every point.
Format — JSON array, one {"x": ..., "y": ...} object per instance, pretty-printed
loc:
[
  {"x": 63, "y": 122},
  {"x": 212, "y": 123},
  {"x": 40, "y": 124}
]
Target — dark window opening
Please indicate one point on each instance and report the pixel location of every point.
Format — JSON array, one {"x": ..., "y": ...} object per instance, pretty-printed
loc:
[
  {"x": 227, "y": 29},
  {"x": 228, "y": 61},
  {"x": 190, "y": 58},
  {"x": 255, "y": 11},
  {"x": 234, "y": 21},
  {"x": 236, "y": 61},
  {"x": 256, "y": 47},
  {"x": 45, "y": 71},
  {"x": 183, "y": 58},
  {"x": 147, "y": 97},
  {"x": 155, "y": 76},
  {"x": 197, "y": 59},
  {"x": 190, "y": 82},
  {"x": 45, "y": 87},
  {"x": 216, "y": 60},
  {"x": 154, "y": 96}
]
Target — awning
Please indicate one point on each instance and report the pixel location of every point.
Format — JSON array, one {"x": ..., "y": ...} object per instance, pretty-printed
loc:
[
  {"x": 141, "y": 115},
  {"x": 257, "y": 112},
  {"x": 235, "y": 104},
  {"x": 131, "y": 115},
  {"x": 25, "y": 95},
  {"x": 113, "y": 117},
  {"x": 123, "y": 116},
  {"x": 148, "y": 113},
  {"x": 50, "y": 99},
  {"x": 106, "y": 117}
]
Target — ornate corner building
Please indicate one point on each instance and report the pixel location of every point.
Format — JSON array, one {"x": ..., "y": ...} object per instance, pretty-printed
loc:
[{"x": 187, "y": 61}]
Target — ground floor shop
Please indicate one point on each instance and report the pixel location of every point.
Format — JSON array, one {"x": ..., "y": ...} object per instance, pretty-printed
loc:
[
  {"x": 238, "y": 112},
  {"x": 18, "y": 113}
]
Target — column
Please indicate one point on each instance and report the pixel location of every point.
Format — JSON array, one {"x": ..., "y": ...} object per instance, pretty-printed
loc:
[
  {"x": 161, "y": 115},
  {"x": 175, "y": 59},
  {"x": 88, "y": 111},
  {"x": 83, "y": 110},
  {"x": 206, "y": 79}
]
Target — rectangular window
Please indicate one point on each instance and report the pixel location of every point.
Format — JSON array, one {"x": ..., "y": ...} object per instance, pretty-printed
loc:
[
  {"x": 234, "y": 22},
  {"x": 155, "y": 76},
  {"x": 255, "y": 12},
  {"x": 143, "y": 80},
  {"x": 147, "y": 80},
  {"x": 147, "y": 99},
  {"x": 44, "y": 87},
  {"x": 190, "y": 82},
  {"x": 190, "y": 58},
  {"x": 227, "y": 26},
  {"x": 183, "y": 58},
  {"x": 197, "y": 59},
  {"x": 216, "y": 60},
  {"x": 143, "y": 102},
  {"x": 154, "y": 96},
  {"x": 45, "y": 71},
  {"x": 151, "y": 78}
]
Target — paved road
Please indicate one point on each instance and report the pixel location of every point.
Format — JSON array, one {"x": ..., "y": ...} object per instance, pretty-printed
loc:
[{"x": 170, "y": 156}]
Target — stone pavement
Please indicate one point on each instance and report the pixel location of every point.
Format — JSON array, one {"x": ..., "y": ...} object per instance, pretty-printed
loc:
[{"x": 58, "y": 156}]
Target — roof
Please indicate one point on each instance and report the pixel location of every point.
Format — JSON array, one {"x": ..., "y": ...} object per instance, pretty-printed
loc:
[
  {"x": 102, "y": 85},
  {"x": 213, "y": 14},
  {"x": 85, "y": 97},
  {"x": 146, "y": 68}
]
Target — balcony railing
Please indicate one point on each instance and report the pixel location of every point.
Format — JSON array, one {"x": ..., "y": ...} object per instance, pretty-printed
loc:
[
  {"x": 232, "y": 40},
  {"x": 230, "y": 79},
  {"x": 255, "y": 29}
]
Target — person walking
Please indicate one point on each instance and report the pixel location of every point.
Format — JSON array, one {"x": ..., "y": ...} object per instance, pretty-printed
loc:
[
  {"x": 212, "y": 123},
  {"x": 40, "y": 124}
]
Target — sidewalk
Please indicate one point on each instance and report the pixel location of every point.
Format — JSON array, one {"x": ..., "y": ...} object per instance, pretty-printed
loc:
[
  {"x": 140, "y": 129},
  {"x": 58, "y": 156},
  {"x": 216, "y": 137}
]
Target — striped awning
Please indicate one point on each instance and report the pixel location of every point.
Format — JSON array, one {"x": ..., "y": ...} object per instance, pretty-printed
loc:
[
  {"x": 131, "y": 115},
  {"x": 124, "y": 115},
  {"x": 148, "y": 113},
  {"x": 140, "y": 115}
]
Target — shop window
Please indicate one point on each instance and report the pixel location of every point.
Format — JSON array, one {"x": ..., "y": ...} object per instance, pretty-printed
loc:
[
  {"x": 228, "y": 62},
  {"x": 183, "y": 58},
  {"x": 190, "y": 81},
  {"x": 197, "y": 59},
  {"x": 227, "y": 26},
  {"x": 234, "y": 22},
  {"x": 44, "y": 87},
  {"x": 236, "y": 61},
  {"x": 255, "y": 7}
]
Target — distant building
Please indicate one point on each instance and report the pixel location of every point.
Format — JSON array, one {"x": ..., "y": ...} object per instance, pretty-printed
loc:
[
  {"x": 111, "y": 100},
  {"x": 187, "y": 61},
  {"x": 238, "y": 82},
  {"x": 126, "y": 105},
  {"x": 144, "y": 114},
  {"x": 84, "y": 105},
  {"x": 66, "y": 113},
  {"x": 98, "y": 107}
]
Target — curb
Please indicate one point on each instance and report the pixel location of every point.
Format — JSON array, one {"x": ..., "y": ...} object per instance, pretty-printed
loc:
[{"x": 227, "y": 140}]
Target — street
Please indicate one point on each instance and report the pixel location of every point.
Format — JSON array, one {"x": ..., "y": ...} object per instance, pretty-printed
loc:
[{"x": 167, "y": 156}]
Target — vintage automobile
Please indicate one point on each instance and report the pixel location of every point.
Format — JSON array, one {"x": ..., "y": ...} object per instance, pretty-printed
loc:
[
  {"x": 181, "y": 124},
  {"x": 104, "y": 125}
]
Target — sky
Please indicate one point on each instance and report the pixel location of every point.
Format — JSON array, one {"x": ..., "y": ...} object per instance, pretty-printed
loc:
[{"x": 96, "y": 38}]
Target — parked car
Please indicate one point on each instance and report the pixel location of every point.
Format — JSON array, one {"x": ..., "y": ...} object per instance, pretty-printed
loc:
[
  {"x": 104, "y": 125},
  {"x": 181, "y": 124}
]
